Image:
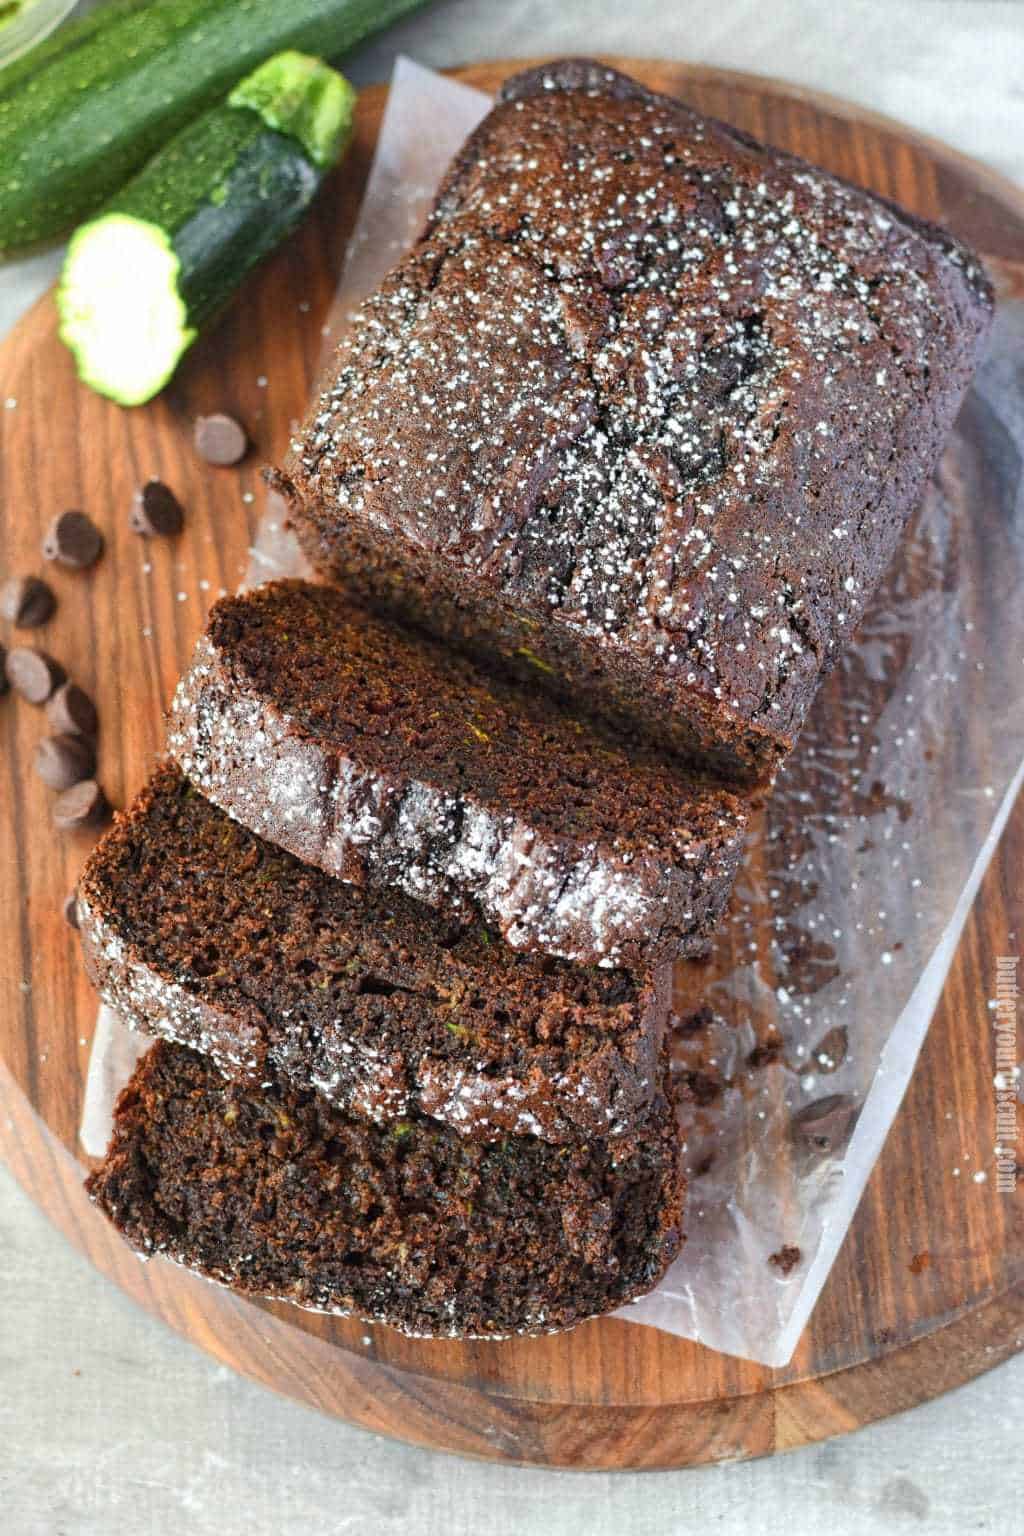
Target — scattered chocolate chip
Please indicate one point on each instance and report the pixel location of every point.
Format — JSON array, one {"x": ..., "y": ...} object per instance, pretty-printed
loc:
[
  {"x": 830, "y": 1051},
  {"x": 74, "y": 540},
  {"x": 766, "y": 1051},
  {"x": 33, "y": 673},
  {"x": 220, "y": 439},
  {"x": 83, "y": 805},
  {"x": 156, "y": 511},
  {"x": 26, "y": 601},
  {"x": 695, "y": 1023},
  {"x": 704, "y": 1087},
  {"x": 826, "y": 1124},
  {"x": 786, "y": 1259},
  {"x": 65, "y": 760},
  {"x": 70, "y": 909},
  {"x": 4, "y": 684},
  {"x": 70, "y": 711}
]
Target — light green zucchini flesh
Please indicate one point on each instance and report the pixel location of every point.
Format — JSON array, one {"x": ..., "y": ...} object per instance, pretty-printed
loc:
[{"x": 142, "y": 278}]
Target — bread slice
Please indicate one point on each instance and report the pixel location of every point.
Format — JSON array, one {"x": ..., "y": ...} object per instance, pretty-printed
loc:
[
  {"x": 274, "y": 1193},
  {"x": 644, "y": 412},
  {"x": 380, "y": 757},
  {"x": 196, "y": 930}
]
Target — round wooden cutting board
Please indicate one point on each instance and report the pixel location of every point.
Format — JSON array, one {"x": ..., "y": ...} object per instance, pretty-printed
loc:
[{"x": 929, "y": 1288}]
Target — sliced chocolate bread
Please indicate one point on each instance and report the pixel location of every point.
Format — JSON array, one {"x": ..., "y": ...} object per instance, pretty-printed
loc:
[
  {"x": 195, "y": 929},
  {"x": 645, "y": 411},
  {"x": 273, "y": 1192},
  {"x": 382, "y": 758}
]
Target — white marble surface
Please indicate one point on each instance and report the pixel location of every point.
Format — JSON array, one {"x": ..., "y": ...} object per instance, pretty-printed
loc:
[{"x": 110, "y": 1426}]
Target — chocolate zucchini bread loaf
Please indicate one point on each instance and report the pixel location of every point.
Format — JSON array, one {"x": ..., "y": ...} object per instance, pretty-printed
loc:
[
  {"x": 383, "y": 758},
  {"x": 196, "y": 930},
  {"x": 643, "y": 413},
  {"x": 274, "y": 1192}
]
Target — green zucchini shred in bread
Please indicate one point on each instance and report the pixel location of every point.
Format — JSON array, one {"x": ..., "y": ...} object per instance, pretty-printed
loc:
[{"x": 276, "y": 1194}]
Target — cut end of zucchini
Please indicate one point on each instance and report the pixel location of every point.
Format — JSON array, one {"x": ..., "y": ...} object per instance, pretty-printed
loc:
[
  {"x": 121, "y": 312},
  {"x": 304, "y": 98}
]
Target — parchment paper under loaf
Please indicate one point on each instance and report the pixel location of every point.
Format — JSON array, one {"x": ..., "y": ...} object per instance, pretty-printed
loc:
[{"x": 857, "y": 882}]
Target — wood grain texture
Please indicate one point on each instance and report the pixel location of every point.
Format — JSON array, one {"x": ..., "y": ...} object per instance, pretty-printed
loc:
[{"x": 892, "y": 1328}]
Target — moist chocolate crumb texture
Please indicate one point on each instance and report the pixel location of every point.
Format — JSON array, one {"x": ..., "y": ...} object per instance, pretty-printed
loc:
[
  {"x": 643, "y": 413},
  {"x": 195, "y": 930},
  {"x": 386, "y": 759},
  {"x": 273, "y": 1192}
]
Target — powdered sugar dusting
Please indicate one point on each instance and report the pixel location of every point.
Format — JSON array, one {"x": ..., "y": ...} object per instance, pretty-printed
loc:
[
  {"x": 440, "y": 839},
  {"x": 615, "y": 381}
]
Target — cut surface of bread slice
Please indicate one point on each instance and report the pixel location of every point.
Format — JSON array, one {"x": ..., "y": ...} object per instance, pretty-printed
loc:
[
  {"x": 382, "y": 758},
  {"x": 276, "y": 1194},
  {"x": 196, "y": 930}
]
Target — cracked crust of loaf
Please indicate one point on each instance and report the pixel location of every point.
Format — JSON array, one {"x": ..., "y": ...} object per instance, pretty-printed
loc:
[
  {"x": 643, "y": 414},
  {"x": 274, "y": 1193},
  {"x": 385, "y": 759},
  {"x": 195, "y": 930}
]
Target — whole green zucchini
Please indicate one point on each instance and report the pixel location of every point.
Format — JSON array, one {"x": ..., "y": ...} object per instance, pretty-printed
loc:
[
  {"x": 90, "y": 105},
  {"x": 141, "y": 278}
]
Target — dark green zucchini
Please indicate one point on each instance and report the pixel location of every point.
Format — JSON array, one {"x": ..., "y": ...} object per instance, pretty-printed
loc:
[
  {"x": 62, "y": 41},
  {"x": 142, "y": 278},
  {"x": 91, "y": 104}
]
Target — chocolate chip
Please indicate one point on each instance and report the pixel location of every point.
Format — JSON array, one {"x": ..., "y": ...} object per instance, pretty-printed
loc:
[
  {"x": 70, "y": 909},
  {"x": 786, "y": 1259},
  {"x": 71, "y": 711},
  {"x": 766, "y": 1052},
  {"x": 33, "y": 673},
  {"x": 65, "y": 760},
  {"x": 830, "y": 1051},
  {"x": 74, "y": 540},
  {"x": 695, "y": 1023},
  {"x": 825, "y": 1125},
  {"x": 4, "y": 684},
  {"x": 156, "y": 511},
  {"x": 83, "y": 805},
  {"x": 705, "y": 1087},
  {"x": 26, "y": 601},
  {"x": 220, "y": 439}
]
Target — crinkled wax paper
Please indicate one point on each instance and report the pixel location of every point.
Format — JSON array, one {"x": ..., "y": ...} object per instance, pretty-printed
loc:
[{"x": 802, "y": 1031}]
